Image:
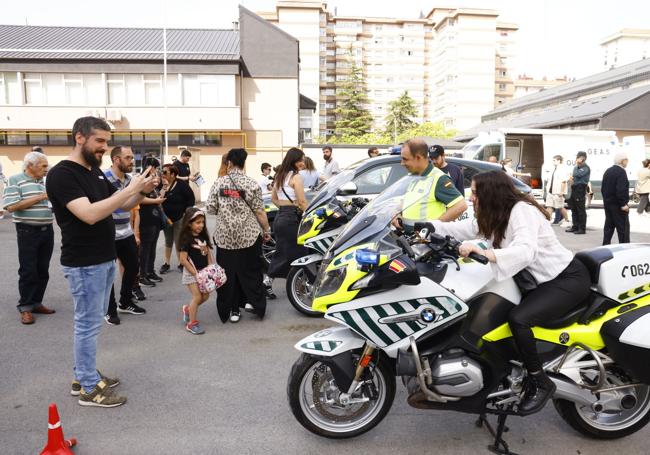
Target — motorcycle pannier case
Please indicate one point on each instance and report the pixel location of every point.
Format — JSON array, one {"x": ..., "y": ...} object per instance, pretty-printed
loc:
[
  {"x": 627, "y": 338},
  {"x": 620, "y": 272}
]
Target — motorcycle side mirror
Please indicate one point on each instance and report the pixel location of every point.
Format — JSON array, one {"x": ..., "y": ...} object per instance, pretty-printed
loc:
[{"x": 347, "y": 189}]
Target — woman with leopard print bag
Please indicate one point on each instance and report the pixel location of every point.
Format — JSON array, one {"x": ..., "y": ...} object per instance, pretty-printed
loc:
[{"x": 242, "y": 225}]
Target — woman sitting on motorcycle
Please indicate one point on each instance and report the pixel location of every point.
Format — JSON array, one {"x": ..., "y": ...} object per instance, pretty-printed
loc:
[{"x": 522, "y": 239}]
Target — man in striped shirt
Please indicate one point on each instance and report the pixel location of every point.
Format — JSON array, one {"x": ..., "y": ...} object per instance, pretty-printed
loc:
[
  {"x": 122, "y": 160},
  {"x": 25, "y": 198}
]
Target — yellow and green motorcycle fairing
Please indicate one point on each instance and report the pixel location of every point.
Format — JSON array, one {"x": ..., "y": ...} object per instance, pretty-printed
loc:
[{"x": 586, "y": 334}]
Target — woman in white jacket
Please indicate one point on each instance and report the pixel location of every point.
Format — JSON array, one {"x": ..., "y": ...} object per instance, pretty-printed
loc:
[
  {"x": 643, "y": 189},
  {"x": 523, "y": 241}
]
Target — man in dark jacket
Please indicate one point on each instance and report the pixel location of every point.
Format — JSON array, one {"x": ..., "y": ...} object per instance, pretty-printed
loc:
[
  {"x": 579, "y": 181},
  {"x": 615, "y": 190}
]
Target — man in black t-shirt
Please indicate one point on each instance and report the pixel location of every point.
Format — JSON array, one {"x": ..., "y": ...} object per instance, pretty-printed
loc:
[
  {"x": 183, "y": 166},
  {"x": 437, "y": 156},
  {"x": 83, "y": 201}
]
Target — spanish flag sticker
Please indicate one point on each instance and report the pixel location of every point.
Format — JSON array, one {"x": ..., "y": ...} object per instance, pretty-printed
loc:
[{"x": 397, "y": 266}]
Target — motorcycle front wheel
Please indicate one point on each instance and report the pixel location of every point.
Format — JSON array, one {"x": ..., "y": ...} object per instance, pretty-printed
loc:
[
  {"x": 300, "y": 292},
  {"x": 314, "y": 399}
]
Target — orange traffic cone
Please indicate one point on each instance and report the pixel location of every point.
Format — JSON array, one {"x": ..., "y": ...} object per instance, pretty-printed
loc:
[{"x": 56, "y": 445}]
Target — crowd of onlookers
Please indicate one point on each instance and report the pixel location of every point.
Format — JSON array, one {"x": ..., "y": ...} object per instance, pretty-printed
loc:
[{"x": 117, "y": 213}]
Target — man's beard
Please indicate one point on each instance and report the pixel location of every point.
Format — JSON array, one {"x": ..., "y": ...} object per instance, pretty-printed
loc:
[
  {"x": 90, "y": 157},
  {"x": 126, "y": 168}
]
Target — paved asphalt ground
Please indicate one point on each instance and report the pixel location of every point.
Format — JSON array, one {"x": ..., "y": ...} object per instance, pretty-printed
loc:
[{"x": 223, "y": 392}]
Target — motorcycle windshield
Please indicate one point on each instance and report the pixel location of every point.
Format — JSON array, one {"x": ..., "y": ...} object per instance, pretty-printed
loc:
[
  {"x": 329, "y": 188},
  {"x": 410, "y": 192}
]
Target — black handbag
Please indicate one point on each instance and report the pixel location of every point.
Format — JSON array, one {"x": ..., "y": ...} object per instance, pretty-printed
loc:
[{"x": 525, "y": 281}]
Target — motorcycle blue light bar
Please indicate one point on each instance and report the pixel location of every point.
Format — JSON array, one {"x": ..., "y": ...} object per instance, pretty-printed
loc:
[
  {"x": 320, "y": 212},
  {"x": 367, "y": 257}
]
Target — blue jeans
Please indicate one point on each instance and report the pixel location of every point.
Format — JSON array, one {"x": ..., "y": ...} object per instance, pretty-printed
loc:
[{"x": 90, "y": 287}]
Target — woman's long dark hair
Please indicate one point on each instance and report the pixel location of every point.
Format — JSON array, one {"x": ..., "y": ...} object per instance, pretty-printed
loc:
[
  {"x": 186, "y": 233},
  {"x": 497, "y": 195},
  {"x": 288, "y": 166}
]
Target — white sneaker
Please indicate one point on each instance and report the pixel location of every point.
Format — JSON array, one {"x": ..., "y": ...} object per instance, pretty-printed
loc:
[
  {"x": 565, "y": 224},
  {"x": 249, "y": 308},
  {"x": 234, "y": 317}
]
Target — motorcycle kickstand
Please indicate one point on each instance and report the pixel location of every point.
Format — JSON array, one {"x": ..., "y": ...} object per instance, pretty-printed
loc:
[{"x": 500, "y": 446}]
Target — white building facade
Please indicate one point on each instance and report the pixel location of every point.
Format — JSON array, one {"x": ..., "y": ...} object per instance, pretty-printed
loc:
[
  {"x": 452, "y": 62},
  {"x": 626, "y": 46}
]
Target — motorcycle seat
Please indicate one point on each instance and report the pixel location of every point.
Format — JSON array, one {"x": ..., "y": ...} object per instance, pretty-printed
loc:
[
  {"x": 567, "y": 319},
  {"x": 593, "y": 259}
]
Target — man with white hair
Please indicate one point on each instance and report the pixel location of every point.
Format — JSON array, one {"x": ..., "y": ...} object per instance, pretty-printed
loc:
[
  {"x": 25, "y": 198},
  {"x": 616, "y": 195}
]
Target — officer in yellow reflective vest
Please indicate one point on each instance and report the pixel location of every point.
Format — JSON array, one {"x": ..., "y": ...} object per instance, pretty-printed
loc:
[{"x": 444, "y": 203}]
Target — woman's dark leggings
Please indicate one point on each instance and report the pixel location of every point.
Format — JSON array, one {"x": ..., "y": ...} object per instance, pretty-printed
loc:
[
  {"x": 148, "y": 240},
  {"x": 548, "y": 301}
]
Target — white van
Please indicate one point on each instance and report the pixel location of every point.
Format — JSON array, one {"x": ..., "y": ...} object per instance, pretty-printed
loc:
[{"x": 532, "y": 151}]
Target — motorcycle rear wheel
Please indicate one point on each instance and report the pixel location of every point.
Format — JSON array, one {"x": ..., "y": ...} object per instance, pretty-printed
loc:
[
  {"x": 318, "y": 413},
  {"x": 299, "y": 292},
  {"x": 607, "y": 425}
]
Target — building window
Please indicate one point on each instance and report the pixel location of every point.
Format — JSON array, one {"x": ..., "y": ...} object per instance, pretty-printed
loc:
[
  {"x": 16, "y": 139},
  {"x": 504, "y": 73},
  {"x": 3, "y": 90},
  {"x": 208, "y": 90},
  {"x": 153, "y": 89},
  {"x": 502, "y": 87},
  {"x": 116, "y": 90},
  {"x": 9, "y": 89},
  {"x": 59, "y": 138},
  {"x": 33, "y": 89},
  {"x": 74, "y": 89},
  {"x": 39, "y": 138}
]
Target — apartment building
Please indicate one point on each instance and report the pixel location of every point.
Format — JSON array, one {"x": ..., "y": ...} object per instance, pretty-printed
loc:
[
  {"x": 504, "y": 89},
  {"x": 626, "y": 46},
  {"x": 526, "y": 85},
  {"x": 223, "y": 89},
  {"x": 455, "y": 63}
]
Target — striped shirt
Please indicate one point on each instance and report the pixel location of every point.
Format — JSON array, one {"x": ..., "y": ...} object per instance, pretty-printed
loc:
[
  {"x": 122, "y": 218},
  {"x": 20, "y": 187}
]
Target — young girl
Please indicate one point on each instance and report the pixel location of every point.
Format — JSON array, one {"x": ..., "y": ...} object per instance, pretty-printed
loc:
[{"x": 195, "y": 254}]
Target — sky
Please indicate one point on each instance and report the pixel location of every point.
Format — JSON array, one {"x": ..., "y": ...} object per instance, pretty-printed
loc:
[{"x": 556, "y": 37}]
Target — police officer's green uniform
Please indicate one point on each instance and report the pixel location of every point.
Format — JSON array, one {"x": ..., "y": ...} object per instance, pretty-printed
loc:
[{"x": 442, "y": 194}]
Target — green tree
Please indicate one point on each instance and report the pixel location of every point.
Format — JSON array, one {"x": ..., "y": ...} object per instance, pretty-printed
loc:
[
  {"x": 353, "y": 119},
  {"x": 430, "y": 129},
  {"x": 400, "y": 114}
]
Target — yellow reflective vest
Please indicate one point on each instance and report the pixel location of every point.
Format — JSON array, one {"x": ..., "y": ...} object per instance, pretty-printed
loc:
[{"x": 419, "y": 208}]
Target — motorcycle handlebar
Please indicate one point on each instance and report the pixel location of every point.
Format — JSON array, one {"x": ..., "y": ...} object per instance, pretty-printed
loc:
[
  {"x": 478, "y": 258},
  {"x": 406, "y": 247}
]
